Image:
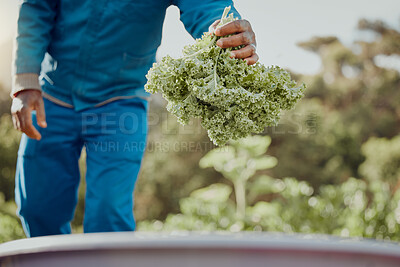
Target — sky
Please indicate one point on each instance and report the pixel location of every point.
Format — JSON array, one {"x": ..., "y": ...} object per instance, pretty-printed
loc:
[{"x": 278, "y": 25}]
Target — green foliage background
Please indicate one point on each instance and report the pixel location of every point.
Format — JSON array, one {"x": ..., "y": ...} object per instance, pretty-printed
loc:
[
  {"x": 333, "y": 164},
  {"x": 356, "y": 207}
]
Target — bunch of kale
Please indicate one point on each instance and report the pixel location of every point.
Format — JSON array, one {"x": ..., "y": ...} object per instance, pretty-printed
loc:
[{"x": 232, "y": 98}]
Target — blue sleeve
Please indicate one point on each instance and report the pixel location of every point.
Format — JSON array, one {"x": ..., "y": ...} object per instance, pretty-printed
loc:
[
  {"x": 197, "y": 16},
  {"x": 35, "y": 22}
]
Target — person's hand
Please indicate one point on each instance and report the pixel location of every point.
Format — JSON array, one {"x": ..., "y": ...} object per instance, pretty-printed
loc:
[
  {"x": 21, "y": 108},
  {"x": 242, "y": 35}
]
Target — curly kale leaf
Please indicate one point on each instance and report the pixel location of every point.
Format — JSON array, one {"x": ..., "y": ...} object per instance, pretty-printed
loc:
[{"x": 232, "y": 98}]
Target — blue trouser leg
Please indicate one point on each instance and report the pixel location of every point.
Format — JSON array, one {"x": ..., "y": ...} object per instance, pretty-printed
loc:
[
  {"x": 47, "y": 174},
  {"x": 114, "y": 136}
]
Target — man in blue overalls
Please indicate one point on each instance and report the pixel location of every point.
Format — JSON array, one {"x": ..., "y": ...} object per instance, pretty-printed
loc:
[{"x": 79, "y": 73}]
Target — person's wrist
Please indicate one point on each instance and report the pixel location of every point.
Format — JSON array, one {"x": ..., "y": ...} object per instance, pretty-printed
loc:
[
  {"x": 23, "y": 82},
  {"x": 27, "y": 90}
]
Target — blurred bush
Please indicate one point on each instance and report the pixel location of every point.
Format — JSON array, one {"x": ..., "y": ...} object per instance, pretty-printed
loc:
[
  {"x": 10, "y": 228},
  {"x": 382, "y": 160},
  {"x": 353, "y": 208}
]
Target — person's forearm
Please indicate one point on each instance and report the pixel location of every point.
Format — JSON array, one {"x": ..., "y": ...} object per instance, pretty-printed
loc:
[{"x": 35, "y": 22}]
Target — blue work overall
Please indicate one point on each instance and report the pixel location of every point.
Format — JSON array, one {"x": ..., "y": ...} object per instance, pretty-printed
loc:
[{"x": 91, "y": 58}]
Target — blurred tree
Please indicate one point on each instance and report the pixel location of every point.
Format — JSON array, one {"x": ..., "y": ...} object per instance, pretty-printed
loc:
[
  {"x": 382, "y": 160},
  {"x": 349, "y": 101}
]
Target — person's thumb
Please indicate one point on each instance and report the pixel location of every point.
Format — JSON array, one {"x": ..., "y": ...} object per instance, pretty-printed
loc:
[{"x": 40, "y": 114}]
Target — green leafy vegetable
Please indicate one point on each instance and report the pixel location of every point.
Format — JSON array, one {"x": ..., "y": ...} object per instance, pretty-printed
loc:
[{"x": 232, "y": 98}]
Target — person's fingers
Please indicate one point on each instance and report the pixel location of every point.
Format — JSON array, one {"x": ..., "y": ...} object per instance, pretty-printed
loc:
[
  {"x": 15, "y": 121},
  {"x": 233, "y": 27},
  {"x": 244, "y": 52},
  {"x": 251, "y": 60},
  {"x": 31, "y": 131},
  {"x": 26, "y": 125},
  {"x": 40, "y": 113},
  {"x": 15, "y": 110},
  {"x": 244, "y": 38},
  {"x": 242, "y": 34}
]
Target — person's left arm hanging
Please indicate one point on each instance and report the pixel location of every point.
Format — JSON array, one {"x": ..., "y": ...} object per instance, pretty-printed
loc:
[{"x": 35, "y": 22}]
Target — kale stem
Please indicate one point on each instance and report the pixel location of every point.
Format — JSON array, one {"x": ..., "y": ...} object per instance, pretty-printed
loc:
[
  {"x": 226, "y": 11},
  {"x": 215, "y": 70}
]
